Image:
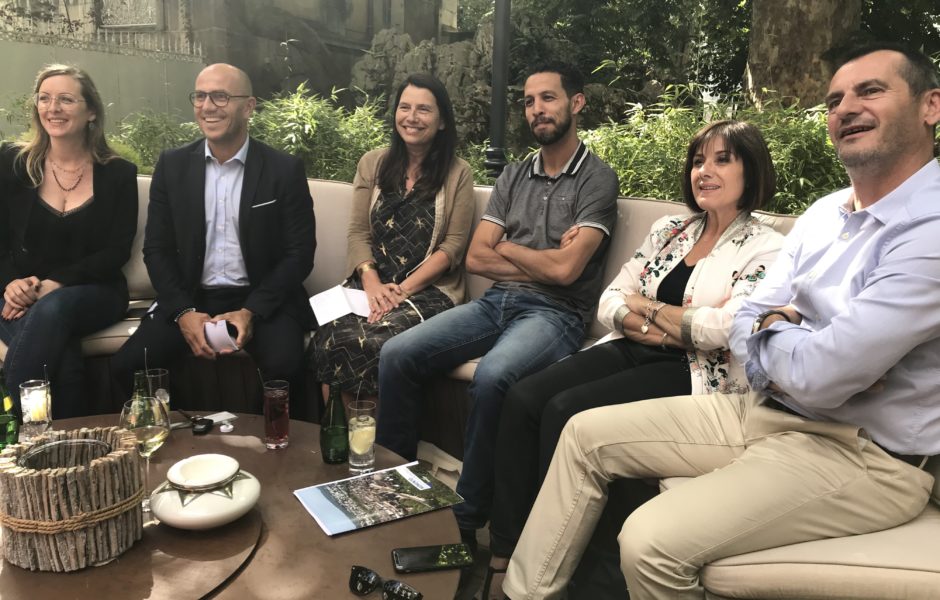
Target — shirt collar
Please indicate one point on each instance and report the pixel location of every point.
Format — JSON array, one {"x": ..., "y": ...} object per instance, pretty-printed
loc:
[
  {"x": 240, "y": 156},
  {"x": 888, "y": 206},
  {"x": 571, "y": 167}
]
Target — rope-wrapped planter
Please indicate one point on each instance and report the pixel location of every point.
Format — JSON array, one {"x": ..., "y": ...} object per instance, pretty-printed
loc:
[{"x": 70, "y": 499}]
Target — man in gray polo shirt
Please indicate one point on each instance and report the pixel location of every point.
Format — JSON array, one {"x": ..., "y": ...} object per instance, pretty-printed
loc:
[{"x": 547, "y": 284}]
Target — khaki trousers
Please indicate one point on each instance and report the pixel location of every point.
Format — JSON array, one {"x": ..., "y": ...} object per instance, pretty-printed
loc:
[{"x": 764, "y": 478}]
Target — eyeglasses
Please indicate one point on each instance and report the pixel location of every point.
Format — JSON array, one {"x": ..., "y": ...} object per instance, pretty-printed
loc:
[
  {"x": 220, "y": 99},
  {"x": 364, "y": 581},
  {"x": 65, "y": 100}
]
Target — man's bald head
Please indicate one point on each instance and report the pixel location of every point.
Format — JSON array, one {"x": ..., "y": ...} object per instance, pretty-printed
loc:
[{"x": 236, "y": 77}]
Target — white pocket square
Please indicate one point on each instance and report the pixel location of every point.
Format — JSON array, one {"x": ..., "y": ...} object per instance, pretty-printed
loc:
[{"x": 265, "y": 203}]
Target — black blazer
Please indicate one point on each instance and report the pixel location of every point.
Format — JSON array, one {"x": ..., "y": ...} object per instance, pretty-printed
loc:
[
  {"x": 276, "y": 230},
  {"x": 108, "y": 225}
]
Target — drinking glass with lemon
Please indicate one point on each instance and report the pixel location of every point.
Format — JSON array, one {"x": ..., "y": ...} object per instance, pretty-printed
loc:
[
  {"x": 361, "y": 436},
  {"x": 36, "y": 404}
]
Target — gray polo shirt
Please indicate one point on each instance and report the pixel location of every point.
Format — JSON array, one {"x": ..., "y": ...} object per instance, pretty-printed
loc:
[{"x": 535, "y": 210}]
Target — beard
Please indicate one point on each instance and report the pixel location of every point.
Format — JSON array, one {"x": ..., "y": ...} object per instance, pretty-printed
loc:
[
  {"x": 895, "y": 139},
  {"x": 548, "y": 137}
]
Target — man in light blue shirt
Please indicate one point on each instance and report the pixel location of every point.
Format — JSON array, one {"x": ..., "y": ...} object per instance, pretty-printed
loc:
[{"x": 841, "y": 344}]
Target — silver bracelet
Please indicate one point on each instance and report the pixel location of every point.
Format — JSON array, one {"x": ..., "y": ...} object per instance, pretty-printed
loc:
[
  {"x": 619, "y": 315},
  {"x": 180, "y": 314},
  {"x": 685, "y": 329},
  {"x": 650, "y": 315}
]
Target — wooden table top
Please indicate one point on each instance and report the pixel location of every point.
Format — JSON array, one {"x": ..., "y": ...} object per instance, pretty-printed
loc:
[{"x": 292, "y": 558}]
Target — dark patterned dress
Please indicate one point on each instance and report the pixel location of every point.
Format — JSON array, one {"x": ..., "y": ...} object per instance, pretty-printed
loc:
[{"x": 346, "y": 351}]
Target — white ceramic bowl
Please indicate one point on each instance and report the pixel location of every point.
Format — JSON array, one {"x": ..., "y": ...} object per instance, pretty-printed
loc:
[
  {"x": 202, "y": 471},
  {"x": 204, "y": 506}
]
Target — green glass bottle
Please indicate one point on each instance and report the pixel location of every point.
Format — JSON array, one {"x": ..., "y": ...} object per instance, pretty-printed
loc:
[
  {"x": 9, "y": 420},
  {"x": 334, "y": 430}
]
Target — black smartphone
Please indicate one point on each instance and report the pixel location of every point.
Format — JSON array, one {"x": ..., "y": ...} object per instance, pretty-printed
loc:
[{"x": 431, "y": 558}]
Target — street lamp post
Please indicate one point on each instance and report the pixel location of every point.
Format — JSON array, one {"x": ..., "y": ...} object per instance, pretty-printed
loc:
[{"x": 496, "y": 152}]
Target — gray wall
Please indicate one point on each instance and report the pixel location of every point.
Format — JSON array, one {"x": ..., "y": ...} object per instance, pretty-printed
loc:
[{"x": 128, "y": 82}]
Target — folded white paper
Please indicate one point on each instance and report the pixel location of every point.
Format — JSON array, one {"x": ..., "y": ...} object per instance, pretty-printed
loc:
[
  {"x": 222, "y": 416},
  {"x": 218, "y": 337},
  {"x": 337, "y": 302}
]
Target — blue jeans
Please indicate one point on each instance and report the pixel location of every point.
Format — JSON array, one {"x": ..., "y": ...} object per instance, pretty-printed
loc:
[
  {"x": 516, "y": 333},
  {"x": 50, "y": 334}
]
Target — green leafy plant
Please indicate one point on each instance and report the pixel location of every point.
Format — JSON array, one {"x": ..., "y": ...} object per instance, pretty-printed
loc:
[
  {"x": 329, "y": 139},
  {"x": 475, "y": 155},
  {"x": 648, "y": 148},
  {"x": 128, "y": 153},
  {"x": 17, "y": 117},
  {"x": 149, "y": 133}
]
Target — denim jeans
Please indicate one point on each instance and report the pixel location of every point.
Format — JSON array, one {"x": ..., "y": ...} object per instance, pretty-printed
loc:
[
  {"x": 516, "y": 332},
  {"x": 48, "y": 339}
]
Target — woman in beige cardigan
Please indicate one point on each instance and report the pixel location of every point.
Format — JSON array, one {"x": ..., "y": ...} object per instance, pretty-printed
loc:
[{"x": 411, "y": 218}]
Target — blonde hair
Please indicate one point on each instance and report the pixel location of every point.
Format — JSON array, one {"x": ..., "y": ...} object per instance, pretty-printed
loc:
[{"x": 34, "y": 151}]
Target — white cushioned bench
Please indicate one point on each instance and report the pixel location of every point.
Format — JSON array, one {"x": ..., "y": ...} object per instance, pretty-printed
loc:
[{"x": 898, "y": 563}]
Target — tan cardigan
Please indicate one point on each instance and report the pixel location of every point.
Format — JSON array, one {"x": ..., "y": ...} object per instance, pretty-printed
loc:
[{"x": 453, "y": 218}]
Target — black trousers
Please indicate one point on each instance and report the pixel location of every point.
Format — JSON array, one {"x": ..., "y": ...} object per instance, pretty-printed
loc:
[
  {"x": 536, "y": 409},
  {"x": 276, "y": 345}
]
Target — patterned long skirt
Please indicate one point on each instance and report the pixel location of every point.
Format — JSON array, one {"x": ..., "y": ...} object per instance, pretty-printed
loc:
[{"x": 346, "y": 351}]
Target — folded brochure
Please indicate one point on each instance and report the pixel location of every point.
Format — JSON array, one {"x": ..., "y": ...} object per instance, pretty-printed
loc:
[{"x": 374, "y": 498}]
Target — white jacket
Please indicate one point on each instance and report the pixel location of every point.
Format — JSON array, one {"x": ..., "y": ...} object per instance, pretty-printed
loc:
[{"x": 717, "y": 286}]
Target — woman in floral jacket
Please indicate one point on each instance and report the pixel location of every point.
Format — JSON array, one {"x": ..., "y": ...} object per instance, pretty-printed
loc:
[{"x": 670, "y": 311}]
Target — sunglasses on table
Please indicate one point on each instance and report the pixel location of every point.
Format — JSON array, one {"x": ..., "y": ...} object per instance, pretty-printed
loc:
[{"x": 363, "y": 581}]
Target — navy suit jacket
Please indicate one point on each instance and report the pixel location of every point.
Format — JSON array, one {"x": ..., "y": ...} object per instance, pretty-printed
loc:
[{"x": 277, "y": 231}]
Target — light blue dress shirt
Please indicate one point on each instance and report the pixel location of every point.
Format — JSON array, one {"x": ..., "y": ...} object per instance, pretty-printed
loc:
[
  {"x": 868, "y": 286},
  {"x": 224, "y": 265}
]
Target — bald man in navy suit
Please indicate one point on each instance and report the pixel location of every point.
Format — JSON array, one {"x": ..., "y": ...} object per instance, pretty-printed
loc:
[{"x": 230, "y": 235}]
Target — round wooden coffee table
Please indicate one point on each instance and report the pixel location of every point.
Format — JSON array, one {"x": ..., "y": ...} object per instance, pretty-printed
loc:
[{"x": 276, "y": 551}]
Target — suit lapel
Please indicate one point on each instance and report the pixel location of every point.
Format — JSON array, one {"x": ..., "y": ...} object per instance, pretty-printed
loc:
[
  {"x": 253, "y": 164},
  {"x": 196, "y": 203}
]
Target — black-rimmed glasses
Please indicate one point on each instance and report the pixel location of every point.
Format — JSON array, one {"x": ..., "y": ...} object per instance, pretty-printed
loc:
[
  {"x": 363, "y": 581},
  {"x": 220, "y": 99}
]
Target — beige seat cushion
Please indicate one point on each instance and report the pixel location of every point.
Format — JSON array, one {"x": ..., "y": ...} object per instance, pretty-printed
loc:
[{"x": 903, "y": 562}]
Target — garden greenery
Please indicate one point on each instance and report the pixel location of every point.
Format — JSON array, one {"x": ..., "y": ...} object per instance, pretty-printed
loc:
[
  {"x": 329, "y": 138},
  {"x": 646, "y": 148},
  {"x": 148, "y": 133}
]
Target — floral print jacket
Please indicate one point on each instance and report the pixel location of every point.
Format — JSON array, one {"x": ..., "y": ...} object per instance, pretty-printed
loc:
[{"x": 717, "y": 286}]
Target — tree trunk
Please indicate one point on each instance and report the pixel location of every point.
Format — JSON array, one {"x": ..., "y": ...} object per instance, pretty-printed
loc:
[{"x": 787, "y": 40}]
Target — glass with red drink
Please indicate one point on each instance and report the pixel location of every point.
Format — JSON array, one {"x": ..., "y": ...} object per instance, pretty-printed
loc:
[{"x": 276, "y": 413}]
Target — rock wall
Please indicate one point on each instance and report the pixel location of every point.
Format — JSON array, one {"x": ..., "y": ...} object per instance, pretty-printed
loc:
[{"x": 463, "y": 67}]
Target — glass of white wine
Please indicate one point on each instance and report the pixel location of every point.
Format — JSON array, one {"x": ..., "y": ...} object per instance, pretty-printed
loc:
[{"x": 146, "y": 418}]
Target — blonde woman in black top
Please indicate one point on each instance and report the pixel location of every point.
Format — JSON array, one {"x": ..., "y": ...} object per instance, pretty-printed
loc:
[{"x": 68, "y": 215}]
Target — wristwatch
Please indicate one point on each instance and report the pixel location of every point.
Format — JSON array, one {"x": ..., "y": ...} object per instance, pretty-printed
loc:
[{"x": 763, "y": 317}]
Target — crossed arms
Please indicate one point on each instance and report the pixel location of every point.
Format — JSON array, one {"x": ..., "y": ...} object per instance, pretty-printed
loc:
[{"x": 490, "y": 256}]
